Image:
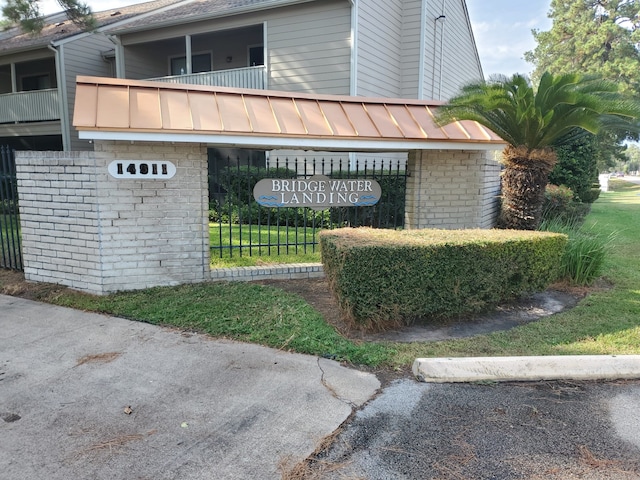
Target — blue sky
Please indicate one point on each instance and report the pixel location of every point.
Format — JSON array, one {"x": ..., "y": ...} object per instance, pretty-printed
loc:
[{"x": 502, "y": 29}]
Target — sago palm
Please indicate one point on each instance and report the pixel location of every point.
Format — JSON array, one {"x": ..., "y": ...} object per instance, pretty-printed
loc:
[{"x": 534, "y": 121}]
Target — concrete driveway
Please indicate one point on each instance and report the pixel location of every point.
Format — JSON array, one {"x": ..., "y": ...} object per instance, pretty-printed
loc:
[{"x": 87, "y": 396}]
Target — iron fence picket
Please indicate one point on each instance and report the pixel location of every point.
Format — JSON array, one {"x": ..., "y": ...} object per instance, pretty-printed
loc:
[
  {"x": 295, "y": 229},
  {"x": 10, "y": 241}
]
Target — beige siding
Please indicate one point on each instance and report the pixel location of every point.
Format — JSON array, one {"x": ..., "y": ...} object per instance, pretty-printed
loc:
[
  {"x": 380, "y": 48},
  {"x": 83, "y": 56},
  {"x": 451, "y": 63},
  {"x": 310, "y": 48},
  {"x": 412, "y": 18}
]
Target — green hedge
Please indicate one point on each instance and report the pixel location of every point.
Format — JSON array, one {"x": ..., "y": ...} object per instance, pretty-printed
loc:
[{"x": 384, "y": 279}]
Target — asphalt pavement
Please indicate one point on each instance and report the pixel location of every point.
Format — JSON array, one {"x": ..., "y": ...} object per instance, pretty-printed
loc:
[{"x": 534, "y": 430}]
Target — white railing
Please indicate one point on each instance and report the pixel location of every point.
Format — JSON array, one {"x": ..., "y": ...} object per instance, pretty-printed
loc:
[
  {"x": 249, "y": 77},
  {"x": 33, "y": 106}
]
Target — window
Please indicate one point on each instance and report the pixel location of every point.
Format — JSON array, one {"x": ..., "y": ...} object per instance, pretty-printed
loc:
[
  {"x": 199, "y": 63},
  {"x": 256, "y": 55}
]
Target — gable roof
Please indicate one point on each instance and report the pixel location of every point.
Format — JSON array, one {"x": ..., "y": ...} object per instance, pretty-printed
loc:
[
  {"x": 196, "y": 10},
  {"x": 58, "y": 27},
  {"x": 115, "y": 109}
]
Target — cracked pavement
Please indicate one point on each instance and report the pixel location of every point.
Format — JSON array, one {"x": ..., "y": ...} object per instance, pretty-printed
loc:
[{"x": 90, "y": 396}]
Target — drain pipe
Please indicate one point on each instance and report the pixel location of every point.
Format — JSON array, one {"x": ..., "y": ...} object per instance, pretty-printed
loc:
[
  {"x": 62, "y": 96},
  {"x": 353, "y": 83},
  {"x": 441, "y": 63},
  {"x": 442, "y": 35}
]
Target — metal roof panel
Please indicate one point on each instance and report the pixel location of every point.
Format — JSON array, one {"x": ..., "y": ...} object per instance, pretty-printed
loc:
[
  {"x": 205, "y": 115},
  {"x": 145, "y": 108},
  {"x": 127, "y": 108}
]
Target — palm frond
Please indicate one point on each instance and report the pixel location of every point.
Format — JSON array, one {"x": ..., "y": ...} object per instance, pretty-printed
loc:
[{"x": 560, "y": 108}]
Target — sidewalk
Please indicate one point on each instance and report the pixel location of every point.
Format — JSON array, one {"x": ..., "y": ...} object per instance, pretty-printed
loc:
[{"x": 90, "y": 396}]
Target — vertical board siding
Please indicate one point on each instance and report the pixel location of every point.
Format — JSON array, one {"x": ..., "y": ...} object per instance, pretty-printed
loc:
[
  {"x": 310, "y": 48},
  {"x": 461, "y": 64},
  {"x": 380, "y": 48},
  {"x": 410, "y": 67}
]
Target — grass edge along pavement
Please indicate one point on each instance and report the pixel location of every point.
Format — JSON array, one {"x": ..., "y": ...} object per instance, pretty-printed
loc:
[{"x": 607, "y": 321}]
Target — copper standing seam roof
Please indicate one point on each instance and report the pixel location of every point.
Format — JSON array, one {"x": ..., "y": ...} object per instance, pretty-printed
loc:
[{"x": 117, "y": 109}]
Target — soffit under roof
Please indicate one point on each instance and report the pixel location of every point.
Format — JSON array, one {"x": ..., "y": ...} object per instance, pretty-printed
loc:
[{"x": 117, "y": 109}]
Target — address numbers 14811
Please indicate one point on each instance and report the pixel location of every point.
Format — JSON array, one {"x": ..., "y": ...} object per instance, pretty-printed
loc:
[{"x": 150, "y": 169}]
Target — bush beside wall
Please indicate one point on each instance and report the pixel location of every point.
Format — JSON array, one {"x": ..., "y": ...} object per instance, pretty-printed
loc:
[{"x": 384, "y": 279}]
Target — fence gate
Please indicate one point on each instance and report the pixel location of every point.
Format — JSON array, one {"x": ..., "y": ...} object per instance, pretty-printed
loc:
[
  {"x": 239, "y": 226},
  {"x": 10, "y": 249}
]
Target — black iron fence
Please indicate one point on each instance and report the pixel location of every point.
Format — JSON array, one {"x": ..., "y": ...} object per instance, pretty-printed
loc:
[
  {"x": 10, "y": 248},
  {"x": 240, "y": 226}
]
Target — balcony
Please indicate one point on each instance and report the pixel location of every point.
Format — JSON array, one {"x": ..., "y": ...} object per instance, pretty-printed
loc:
[
  {"x": 249, "y": 77},
  {"x": 32, "y": 106}
]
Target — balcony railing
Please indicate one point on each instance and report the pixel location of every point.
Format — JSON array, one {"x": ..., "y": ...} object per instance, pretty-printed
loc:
[
  {"x": 33, "y": 106},
  {"x": 249, "y": 77}
]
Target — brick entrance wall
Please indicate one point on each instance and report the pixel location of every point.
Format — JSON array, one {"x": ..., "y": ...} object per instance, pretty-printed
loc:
[
  {"x": 452, "y": 189},
  {"x": 87, "y": 230}
]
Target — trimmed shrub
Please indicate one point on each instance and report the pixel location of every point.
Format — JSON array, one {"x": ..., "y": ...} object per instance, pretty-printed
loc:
[
  {"x": 384, "y": 279},
  {"x": 560, "y": 204}
]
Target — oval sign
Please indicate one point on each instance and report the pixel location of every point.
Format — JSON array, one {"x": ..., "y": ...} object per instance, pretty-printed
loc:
[{"x": 317, "y": 192}]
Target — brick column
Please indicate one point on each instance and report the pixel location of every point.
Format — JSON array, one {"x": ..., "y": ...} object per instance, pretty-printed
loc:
[
  {"x": 452, "y": 189},
  {"x": 83, "y": 228}
]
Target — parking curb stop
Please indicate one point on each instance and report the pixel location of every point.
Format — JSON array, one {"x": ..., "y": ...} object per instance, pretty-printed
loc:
[{"x": 530, "y": 368}]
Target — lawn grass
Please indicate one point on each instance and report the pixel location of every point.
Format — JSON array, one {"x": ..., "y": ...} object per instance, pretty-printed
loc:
[
  {"x": 239, "y": 311},
  {"x": 605, "y": 322}
]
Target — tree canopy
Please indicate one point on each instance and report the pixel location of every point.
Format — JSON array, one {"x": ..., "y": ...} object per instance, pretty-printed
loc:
[
  {"x": 593, "y": 37},
  {"x": 26, "y": 13}
]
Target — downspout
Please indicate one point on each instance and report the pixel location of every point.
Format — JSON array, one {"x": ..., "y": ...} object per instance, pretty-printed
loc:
[
  {"x": 435, "y": 52},
  {"x": 62, "y": 96},
  {"x": 442, "y": 34},
  {"x": 423, "y": 50},
  {"x": 353, "y": 87},
  {"x": 353, "y": 84}
]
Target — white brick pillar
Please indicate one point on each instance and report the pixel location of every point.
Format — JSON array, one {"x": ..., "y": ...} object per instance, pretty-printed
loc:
[
  {"x": 86, "y": 229},
  {"x": 452, "y": 189}
]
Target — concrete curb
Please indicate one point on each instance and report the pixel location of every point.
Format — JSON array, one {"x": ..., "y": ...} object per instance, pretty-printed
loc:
[{"x": 503, "y": 369}]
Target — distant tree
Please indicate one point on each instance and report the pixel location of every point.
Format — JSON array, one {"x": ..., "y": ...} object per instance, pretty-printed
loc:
[
  {"x": 26, "y": 13},
  {"x": 577, "y": 167},
  {"x": 592, "y": 37},
  {"x": 534, "y": 121}
]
